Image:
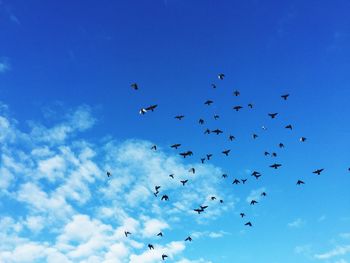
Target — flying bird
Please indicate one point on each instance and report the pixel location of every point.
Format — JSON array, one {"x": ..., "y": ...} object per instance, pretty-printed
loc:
[
  {"x": 217, "y": 131},
  {"x": 202, "y": 160},
  {"x": 152, "y": 107},
  {"x": 201, "y": 121},
  {"x": 150, "y": 246},
  {"x": 242, "y": 215},
  {"x": 213, "y": 86},
  {"x": 208, "y": 102},
  {"x": 134, "y": 86},
  {"x": 231, "y": 138},
  {"x": 273, "y": 115},
  {"x": 300, "y": 182},
  {"x": 179, "y": 117},
  {"x": 244, "y": 180},
  {"x": 275, "y": 165},
  {"x": 192, "y": 170},
  {"x": 237, "y": 108},
  {"x": 285, "y": 96},
  {"x": 216, "y": 117},
  {"x": 126, "y": 233},
  {"x": 263, "y": 194},
  {"x": 302, "y": 139},
  {"x": 281, "y": 145},
  {"x": 188, "y": 239},
  {"x": 154, "y": 147},
  {"x": 253, "y": 202},
  {"x": 289, "y": 126},
  {"x": 250, "y": 105},
  {"x": 209, "y": 155},
  {"x": 318, "y": 171},
  {"x": 236, "y": 93},
  {"x": 164, "y": 257},
  {"x": 221, "y": 76},
  {"x": 165, "y": 197},
  {"x": 224, "y": 175},
  {"x": 248, "y": 224},
  {"x": 171, "y": 176},
  {"x": 226, "y": 152},
  {"x": 109, "y": 174},
  {"x": 160, "y": 234},
  {"x": 177, "y": 145},
  {"x": 213, "y": 198},
  {"x": 184, "y": 182},
  {"x": 255, "y": 136},
  {"x": 207, "y": 131},
  {"x": 236, "y": 181},
  {"x": 185, "y": 154}
]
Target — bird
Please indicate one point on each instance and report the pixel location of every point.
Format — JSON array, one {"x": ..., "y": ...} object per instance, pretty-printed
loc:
[
  {"x": 156, "y": 193},
  {"x": 171, "y": 176},
  {"x": 154, "y": 147},
  {"x": 221, "y": 76},
  {"x": 318, "y": 171},
  {"x": 253, "y": 202},
  {"x": 198, "y": 210},
  {"x": 213, "y": 86},
  {"x": 289, "y": 126},
  {"x": 300, "y": 182},
  {"x": 109, "y": 174},
  {"x": 255, "y": 136},
  {"x": 266, "y": 153},
  {"x": 274, "y": 154},
  {"x": 264, "y": 127},
  {"x": 213, "y": 198},
  {"x": 273, "y": 115},
  {"x": 203, "y": 207},
  {"x": 275, "y": 165},
  {"x": 221, "y": 201},
  {"x": 201, "y": 121},
  {"x": 202, "y": 160},
  {"x": 142, "y": 111},
  {"x": 184, "y": 182},
  {"x": 250, "y": 105},
  {"x": 281, "y": 145},
  {"x": 188, "y": 239},
  {"x": 208, "y": 102},
  {"x": 236, "y": 93},
  {"x": 236, "y": 181},
  {"x": 134, "y": 86},
  {"x": 160, "y": 234},
  {"x": 217, "y": 131},
  {"x": 151, "y": 108},
  {"x": 237, "y": 108},
  {"x": 150, "y": 246},
  {"x": 226, "y": 152},
  {"x": 242, "y": 215},
  {"x": 248, "y": 224},
  {"x": 285, "y": 96},
  {"x": 176, "y": 145},
  {"x": 255, "y": 173},
  {"x": 192, "y": 170},
  {"x": 263, "y": 194},
  {"x": 216, "y": 117},
  {"x": 165, "y": 197},
  {"x": 209, "y": 155},
  {"x": 185, "y": 154},
  {"x": 179, "y": 117},
  {"x": 164, "y": 257},
  {"x": 157, "y": 187},
  {"x": 244, "y": 180},
  {"x": 231, "y": 138},
  {"x": 126, "y": 233},
  {"x": 224, "y": 175},
  {"x": 207, "y": 131},
  {"x": 302, "y": 139}
]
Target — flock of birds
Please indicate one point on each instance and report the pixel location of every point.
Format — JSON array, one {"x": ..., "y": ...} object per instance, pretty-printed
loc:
[{"x": 226, "y": 152}]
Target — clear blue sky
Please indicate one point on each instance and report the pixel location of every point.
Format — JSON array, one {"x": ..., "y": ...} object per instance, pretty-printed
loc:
[{"x": 65, "y": 75}]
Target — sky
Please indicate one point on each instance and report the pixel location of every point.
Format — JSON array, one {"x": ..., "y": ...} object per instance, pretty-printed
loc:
[{"x": 68, "y": 115}]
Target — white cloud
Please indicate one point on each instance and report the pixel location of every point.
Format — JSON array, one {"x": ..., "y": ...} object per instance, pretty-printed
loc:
[
  {"x": 4, "y": 65},
  {"x": 337, "y": 251},
  {"x": 297, "y": 223}
]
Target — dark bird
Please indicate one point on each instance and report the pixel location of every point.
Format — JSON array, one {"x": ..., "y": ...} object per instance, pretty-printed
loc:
[
  {"x": 177, "y": 145},
  {"x": 221, "y": 201},
  {"x": 213, "y": 86},
  {"x": 209, "y": 155},
  {"x": 226, "y": 152},
  {"x": 157, "y": 187},
  {"x": 302, "y": 139},
  {"x": 231, "y": 138},
  {"x": 281, "y": 145},
  {"x": 248, "y": 224},
  {"x": 221, "y": 76},
  {"x": 198, "y": 210},
  {"x": 184, "y": 182},
  {"x": 216, "y": 117},
  {"x": 217, "y": 131},
  {"x": 156, "y": 193},
  {"x": 237, "y": 108},
  {"x": 142, "y": 111},
  {"x": 244, "y": 180},
  {"x": 255, "y": 173},
  {"x": 257, "y": 176},
  {"x": 318, "y": 171},
  {"x": 255, "y": 136},
  {"x": 150, "y": 246},
  {"x": 285, "y": 96},
  {"x": 192, "y": 170},
  {"x": 274, "y": 154},
  {"x": 203, "y": 207},
  {"x": 109, "y": 174},
  {"x": 263, "y": 194},
  {"x": 165, "y": 197},
  {"x": 164, "y": 257},
  {"x": 207, "y": 131},
  {"x": 202, "y": 160},
  {"x": 266, "y": 153},
  {"x": 289, "y": 126},
  {"x": 275, "y": 165},
  {"x": 300, "y": 182},
  {"x": 208, "y": 102},
  {"x": 179, "y": 117},
  {"x": 134, "y": 86},
  {"x": 236, "y": 181},
  {"x": 171, "y": 176},
  {"x": 185, "y": 154},
  {"x": 273, "y": 115},
  {"x": 213, "y": 198},
  {"x": 154, "y": 147},
  {"x": 201, "y": 121},
  {"x": 152, "y": 107},
  {"x": 160, "y": 234},
  {"x": 188, "y": 239},
  {"x": 236, "y": 93},
  {"x": 126, "y": 233},
  {"x": 224, "y": 175},
  {"x": 253, "y": 202},
  {"x": 250, "y": 105},
  {"x": 242, "y": 215}
]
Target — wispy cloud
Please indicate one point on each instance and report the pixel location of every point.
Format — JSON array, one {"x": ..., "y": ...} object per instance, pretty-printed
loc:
[
  {"x": 4, "y": 65},
  {"x": 337, "y": 251},
  {"x": 297, "y": 223}
]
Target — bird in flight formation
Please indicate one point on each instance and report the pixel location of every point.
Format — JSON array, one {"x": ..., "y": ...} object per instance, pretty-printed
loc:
[{"x": 239, "y": 107}]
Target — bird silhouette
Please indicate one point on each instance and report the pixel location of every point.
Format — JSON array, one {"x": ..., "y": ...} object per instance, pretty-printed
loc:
[
  {"x": 250, "y": 105},
  {"x": 300, "y": 182},
  {"x": 302, "y": 139},
  {"x": 160, "y": 234},
  {"x": 248, "y": 224},
  {"x": 213, "y": 86},
  {"x": 179, "y": 117},
  {"x": 209, "y": 155},
  {"x": 134, "y": 86},
  {"x": 184, "y": 182},
  {"x": 157, "y": 187},
  {"x": 109, "y": 174},
  {"x": 318, "y": 171},
  {"x": 273, "y": 115},
  {"x": 236, "y": 181},
  {"x": 216, "y": 117},
  {"x": 263, "y": 194},
  {"x": 164, "y": 257},
  {"x": 185, "y": 154},
  {"x": 207, "y": 131},
  {"x": 231, "y": 138},
  {"x": 188, "y": 239},
  {"x": 208, "y": 102},
  {"x": 224, "y": 175},
  {"x": 192, "y": 170},
  {"x": 150, "y": 246},
  {"x": 165, "y": 197},
  {"x": 237, "y": 108},
  {"x": 281, "y": 145},
  {"x": 285, "y": 96},
  {"x": 202, "y": 160},
  {"x": 275, "y": 165},
  {"x": 244, "y": 180},
  {"x": 154, "y": 147},
  {"x": 127, "y": 233},
  {"x": 201, "y": 121},
  {"x": 226, "y": 152},
  {"x": 221, "y": 76},
  {"x": 151, "y": 108},
  {"x": 266, "y": 153},
  {"x": 289, "y": 126},
  {"x": 253, "y": 202},
  {"x": 255, "y": 136},
  {"x": 217, "y": 131},
  {"x": 171, "y": 176},
  {"x": 213, "y": 198},
  {"x": 236, "y": 93},
  {"x": 242, "y": 215},
  {"x": 177, "y": 145}
]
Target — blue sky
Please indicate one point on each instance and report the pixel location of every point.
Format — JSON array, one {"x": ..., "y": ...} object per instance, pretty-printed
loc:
[{"x": 68, "y": 114}]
